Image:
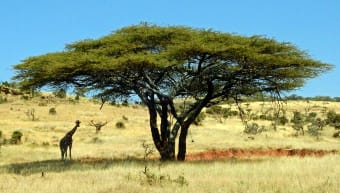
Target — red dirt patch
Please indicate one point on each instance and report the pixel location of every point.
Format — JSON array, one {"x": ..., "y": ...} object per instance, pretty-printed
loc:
[{"x": 249, "y": 153}]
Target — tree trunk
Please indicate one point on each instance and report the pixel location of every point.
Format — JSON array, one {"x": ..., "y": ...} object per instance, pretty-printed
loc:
[
  {"x": 182, "y": 144},
  {"x": 164, "y": 142},
  {"x": 167, "y": 152}
]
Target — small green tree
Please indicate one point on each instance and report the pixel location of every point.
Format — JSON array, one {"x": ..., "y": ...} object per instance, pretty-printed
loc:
[
  {"x": 298, "y": 122},
  {"x": 52, "y": 111},
  {"x": 333, "y": 119},
  {"x": 60, "y": 93},
  {"x": 16, "y": 137}
]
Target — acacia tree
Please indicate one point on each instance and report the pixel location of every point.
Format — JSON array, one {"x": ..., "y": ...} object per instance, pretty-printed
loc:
[{"x": 160, "y": 64}]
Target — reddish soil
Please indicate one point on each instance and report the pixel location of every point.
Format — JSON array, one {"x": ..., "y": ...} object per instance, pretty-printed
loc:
[{"x": 250, "y": 153}]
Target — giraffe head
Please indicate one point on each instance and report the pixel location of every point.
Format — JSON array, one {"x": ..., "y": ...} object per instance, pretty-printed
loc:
[{"x": 77, "y": 123}]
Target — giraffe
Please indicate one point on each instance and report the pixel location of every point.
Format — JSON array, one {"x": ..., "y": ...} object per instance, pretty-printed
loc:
[{"x": 66, "y": 142}]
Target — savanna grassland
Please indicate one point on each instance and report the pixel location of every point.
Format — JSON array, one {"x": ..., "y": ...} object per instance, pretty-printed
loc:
[{"x": 121, "y": 158}]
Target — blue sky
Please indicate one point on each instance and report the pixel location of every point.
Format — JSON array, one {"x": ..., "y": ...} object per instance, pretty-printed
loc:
[{"x": 35, "y": 27}]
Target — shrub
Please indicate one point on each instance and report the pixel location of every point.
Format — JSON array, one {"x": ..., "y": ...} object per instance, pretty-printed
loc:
[
  {"x": 52, "y": 111},
  {"x": 125, "y": 118},
  {"x": 336, "y": 134},
  {"x": 120, "y": 125},
  {"x": 30, "y": 113},
  {"x": 331, "y": 116},
  {"x": 25, "y": 97},
  {"x": 199, "y": 119},
  {"x": 3, "y": 99},
  {"x": 77, "y": 97},
  {"x": 16, "y": 137},
  {"x": 311, "y": 117},
  {"x": 214, "y": 110},
  {"x": 283, "y": 120},
  {"x": 297, "y": 118},
  {"x": 42, "y": 104},
  {"x": 2, "y": 139},
  {"x": 125, "y": 103},
  {"x": 333, "y": 119},
  {"x": 313, "y": 130},
  {"x": 61, "y": 93},
  {"x": 252, "y": 129}
]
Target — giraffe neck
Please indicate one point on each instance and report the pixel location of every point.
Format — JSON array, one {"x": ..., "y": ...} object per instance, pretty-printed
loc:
[{"x": 70, "y": 133}]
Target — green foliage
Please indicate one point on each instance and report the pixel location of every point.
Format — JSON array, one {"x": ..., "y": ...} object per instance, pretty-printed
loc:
[
  {"x": 224, "y": 112},
  {"x": 2, "y": 140},
  {"x": 216, "y": 109},
  {"x": 316, "y": 125},
  {"x": 80, "y": 92},
  {"x": 313, "y": 130},
  {"x": 125, "y": 103},
  {"x": 331, "y": 116},
  {"x": 298, "y": 122},
  {"x": 333, "y": 119},
  {"x": 200, "y": 118},
  {"x": 125, "y": 118},
  {"x": 52, "y": 111},
  {"x": 297, "y": 118},
  {"x": 150, "y": 47},
  {"x": 282, "y": 120},
  {"x": 3, "y": 100},
  {"x": 30, "y": 113},
  {"x": 60, "y": 93},
  {"x": 120, "y": 125},
  {"x": 336, "y": 134},
  {"x": 16, "y": 137},
  {"x": 311, "y": 117},
  {"x": 152, "y": 178},
  {"x": 253, "y": 129}
]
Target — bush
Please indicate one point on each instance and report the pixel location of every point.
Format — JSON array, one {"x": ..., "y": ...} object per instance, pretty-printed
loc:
[
  {"x": 16, "y": 137},
  {"x": 199, "y": 119},
  {"x": 30, "y": 113},
  {"x": 336, "y": 134},
  {"x": 333, "y": 119},
  {"x": 214, "y": 110},
  {"x": 252, "y": 129},
  {"x": 125, "y": 103},
  {"x": 282, "y": 120},
  {"x": 311, "y": 117},
  {"x": 313, "y": 130},
  {"x": 120, "y": 125},
  {"x": 61, "y": 93},
  {"x": 3, "y": 100},
  {"x": 52, "y": 111},
  {"x": 331, "y": 116},
  {"x": 125, "y": 118},
  {"x": 297, "y": 118}
]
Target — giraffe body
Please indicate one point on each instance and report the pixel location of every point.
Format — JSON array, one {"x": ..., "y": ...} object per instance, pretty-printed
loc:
[{"x": 66, "y": 142}]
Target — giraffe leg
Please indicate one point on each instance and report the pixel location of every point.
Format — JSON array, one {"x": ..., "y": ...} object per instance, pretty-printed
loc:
[
  {"x": 65, "y": 153},
  {"x": 62, "y": 154},
  {"x": 70, "y": 147},
  {"x": 62, "y": 151}
]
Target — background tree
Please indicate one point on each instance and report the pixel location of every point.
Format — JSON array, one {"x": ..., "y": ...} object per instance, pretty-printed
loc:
[{"x": 160, "y": 64}]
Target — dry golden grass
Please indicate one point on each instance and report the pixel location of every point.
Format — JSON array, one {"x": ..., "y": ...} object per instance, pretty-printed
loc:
[
  {"x": 112, "y": 160},
  {"x": 285, "y": 175}
]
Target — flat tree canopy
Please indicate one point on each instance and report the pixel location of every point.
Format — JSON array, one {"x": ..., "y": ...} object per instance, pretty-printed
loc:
[{"x": 160, "y": 64}]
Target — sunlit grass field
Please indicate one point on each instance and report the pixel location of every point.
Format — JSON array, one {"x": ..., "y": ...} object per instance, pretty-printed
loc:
[{"x": 113, "y": 159}]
